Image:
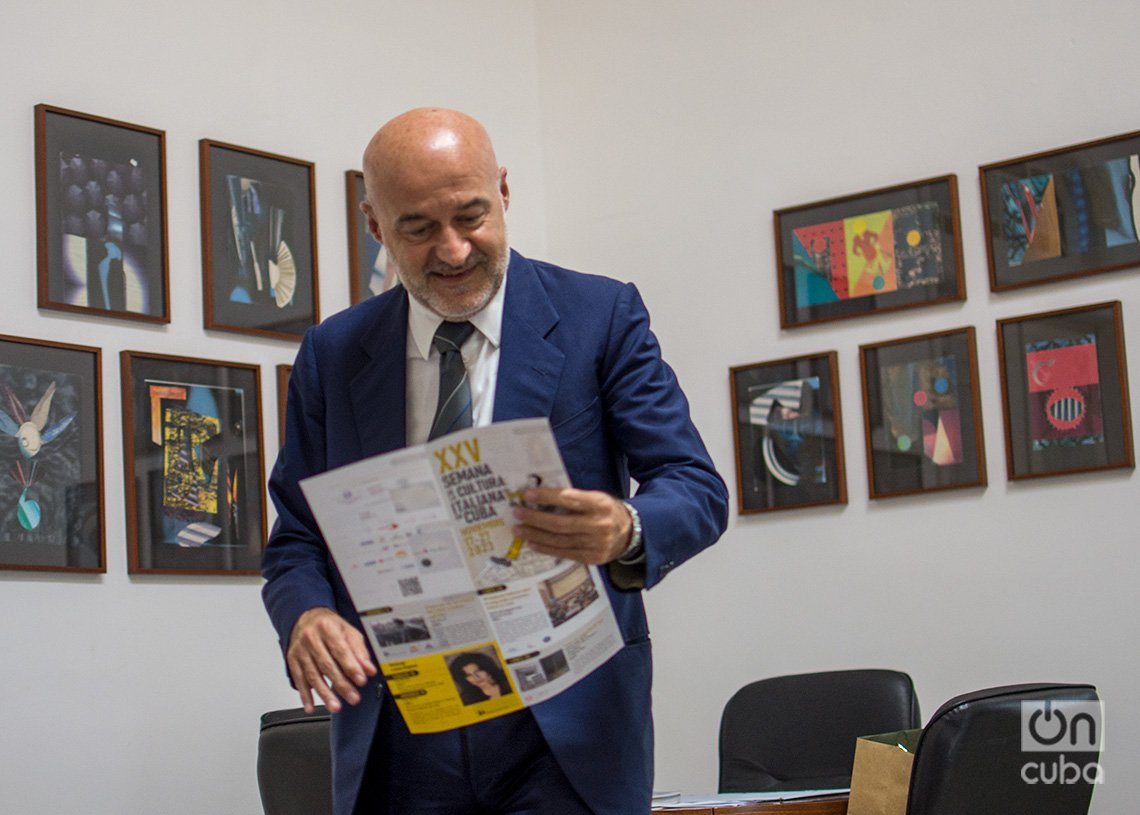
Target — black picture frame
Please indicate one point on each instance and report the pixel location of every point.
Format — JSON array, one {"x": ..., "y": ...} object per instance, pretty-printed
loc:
[
  {"x": 1065, "y": 399},
  {"x": 194, "y": 465},
  {"x": 51, "y": 455},
  {"x": 259, "y": 241},
  {"x": 101, "y": 216},
  {"x": 922, "y": 414},
  {"x": 788, "y": 433},
  {"x": 901, "y": 248},
  {"x": 370, "y": 269},
  {"x": 1062, "y": 214}
]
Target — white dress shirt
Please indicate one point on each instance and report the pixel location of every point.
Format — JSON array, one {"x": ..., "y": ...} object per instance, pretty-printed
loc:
[{"x": 480, "y": 356}]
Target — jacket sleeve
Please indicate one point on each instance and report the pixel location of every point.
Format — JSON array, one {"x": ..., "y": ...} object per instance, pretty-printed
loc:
[
  {"x": 682, "y": 500},
  {"x": 296, "y": 564}
]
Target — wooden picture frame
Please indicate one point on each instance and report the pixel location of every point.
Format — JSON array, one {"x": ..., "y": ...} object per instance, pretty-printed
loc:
[
  {"x": 922, "y": 414},
  {"x": 788, "y": 433},
  {"x": 51, "y": 454},
  {"x": 1062, "y": 214},
  {"x": 193, "y": 465},
  {"x": 259, "y": 241},
  {"x": 887, "y": 249},
  {"x": 101, "y": 216},
  {"x": 1064, "y": 392},
  {"x": 370, "y": 269},
  {"x": 283, "y": 372}
]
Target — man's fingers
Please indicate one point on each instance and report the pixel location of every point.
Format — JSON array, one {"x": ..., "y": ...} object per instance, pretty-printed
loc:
[{"x": 328, "y": 656}]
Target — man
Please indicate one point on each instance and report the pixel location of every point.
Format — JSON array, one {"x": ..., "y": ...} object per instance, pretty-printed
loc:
[{"x": 548, "y": 342}]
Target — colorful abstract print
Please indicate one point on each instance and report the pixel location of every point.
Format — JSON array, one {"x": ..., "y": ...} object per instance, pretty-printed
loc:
[
  {"x": 1070, "y": 213},
  {"x": 199, "y": 431},
  {"x": 920, "y": 406},
  {"x": 1064, "y": 393},
  {"x": 876, "y": 253}
]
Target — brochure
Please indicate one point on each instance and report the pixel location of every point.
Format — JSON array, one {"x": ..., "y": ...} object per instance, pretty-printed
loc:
[{"x": 467, "y": 621}]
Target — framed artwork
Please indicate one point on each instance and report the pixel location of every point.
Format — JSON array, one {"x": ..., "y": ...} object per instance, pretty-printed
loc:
[
  {"x": 283, "y": 372},
  {"x": 1064, "y": 213},
  {"x": 259, "y": 241},
  {"x": 788, "y": 434},
  {"x": 893, "y": 248},
  {"x": 1064, "y": 389},
  {"x": 51, "y": 487},
  {"x": 193, "y": 462},
  {"x": 922, "y": 414},
  {"x": 370, "y": 271},
  {"x": 101, "y": 216}
]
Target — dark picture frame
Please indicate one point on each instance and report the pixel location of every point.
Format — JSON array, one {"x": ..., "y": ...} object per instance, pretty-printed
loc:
[
  {"x": 51, "y": 455},
  {"x": 370, "y": 269},
  {"x": 922, "y": 415},
  {"x": 259, "y": 241},
  {"x": 788, "y": 433},
  {"x": 283, "y": 372},
  {"x": 193, "y": 465},
  {"x": 892, "y": 248},
  {"x": 101, "y": 232},
  {"x": 1064, "y": 392},
  {"x": 1062, "y": 214}
]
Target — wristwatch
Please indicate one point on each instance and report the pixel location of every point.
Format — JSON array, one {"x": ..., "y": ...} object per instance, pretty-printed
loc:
[{"x": 635, "y": 550}]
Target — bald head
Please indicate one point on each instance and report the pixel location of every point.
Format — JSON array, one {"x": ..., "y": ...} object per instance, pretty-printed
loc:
[
  {"x": 435, "y": 196},
  {"x": 437, "y": 138}
]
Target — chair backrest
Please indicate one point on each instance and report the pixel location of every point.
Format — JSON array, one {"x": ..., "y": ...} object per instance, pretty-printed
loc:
[
  {"x": 970, "y": 757},
  {"x": 799, "y": 732},
  {"x": 294, "y": 762}
]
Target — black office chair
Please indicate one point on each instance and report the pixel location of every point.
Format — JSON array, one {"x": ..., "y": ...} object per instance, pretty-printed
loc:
[
  {"x": 969, "y": 758},
  {"x": 294, "y": 762},
  {"x": 798, "y": 732}
]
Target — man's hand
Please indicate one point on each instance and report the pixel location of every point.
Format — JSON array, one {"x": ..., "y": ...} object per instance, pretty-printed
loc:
[
  {"x": 590, "y": 526},
  {"x": 327, "y": 655}
]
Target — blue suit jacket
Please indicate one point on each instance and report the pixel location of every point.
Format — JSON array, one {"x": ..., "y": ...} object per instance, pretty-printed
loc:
[{"x": 577, "y": 349}]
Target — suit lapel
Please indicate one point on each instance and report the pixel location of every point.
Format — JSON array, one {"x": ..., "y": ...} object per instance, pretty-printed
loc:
[
  {"x": 530, "y": 367},
  {"x": 379, "y": 402}
]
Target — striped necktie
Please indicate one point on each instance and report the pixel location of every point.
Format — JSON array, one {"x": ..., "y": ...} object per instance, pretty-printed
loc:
[{"x": 453, "y": 411}]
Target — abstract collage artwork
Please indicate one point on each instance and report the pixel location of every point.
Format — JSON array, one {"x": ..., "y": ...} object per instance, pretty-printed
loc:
[
  {"x": 194, "y": 464},
  {"x": 1064, "y": 213},
  {"x": 882, "y": 250}
]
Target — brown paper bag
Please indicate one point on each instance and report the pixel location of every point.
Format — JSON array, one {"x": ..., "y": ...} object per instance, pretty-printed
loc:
[{"x": 880, "y": 776}]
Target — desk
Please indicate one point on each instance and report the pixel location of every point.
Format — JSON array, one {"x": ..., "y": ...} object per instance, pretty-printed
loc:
[{"x": 830, "y": 806}]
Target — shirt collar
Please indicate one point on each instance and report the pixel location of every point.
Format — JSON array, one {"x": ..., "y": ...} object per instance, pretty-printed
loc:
[{"x": 422, "y": 322}]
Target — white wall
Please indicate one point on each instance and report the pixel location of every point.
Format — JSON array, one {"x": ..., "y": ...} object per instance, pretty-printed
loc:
[
  {"x": 142, "y": 695},
  {"x": 668, "y": 133},
  {"x": 671, "y": 131}
]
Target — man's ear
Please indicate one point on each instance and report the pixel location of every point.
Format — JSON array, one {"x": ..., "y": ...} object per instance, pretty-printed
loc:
[
  {"x": 504, "y": 190},
  {"x": 373, "y": 224}
]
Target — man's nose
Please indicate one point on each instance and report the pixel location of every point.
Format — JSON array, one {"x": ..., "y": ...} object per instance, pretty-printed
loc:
[{"x": 453, "y": 247}]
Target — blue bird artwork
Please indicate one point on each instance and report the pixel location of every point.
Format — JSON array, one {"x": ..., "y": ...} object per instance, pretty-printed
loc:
[{"x": 31, "y": 435}]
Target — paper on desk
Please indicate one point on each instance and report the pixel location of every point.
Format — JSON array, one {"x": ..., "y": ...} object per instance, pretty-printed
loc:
[
  {"x": 728, "y": 800},
  {"x": 422, "y": 538}
]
